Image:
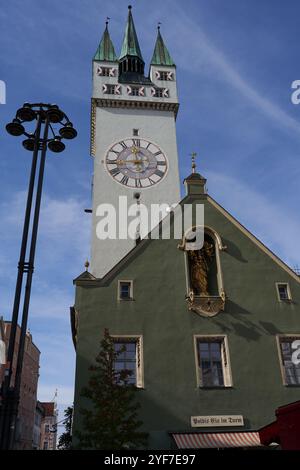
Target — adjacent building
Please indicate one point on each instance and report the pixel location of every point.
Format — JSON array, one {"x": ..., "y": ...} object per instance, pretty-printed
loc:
[
  {"x": 210, "y": 331},
  {"x": 48, "y": 434},
  {"x": 28, "y": 390}
]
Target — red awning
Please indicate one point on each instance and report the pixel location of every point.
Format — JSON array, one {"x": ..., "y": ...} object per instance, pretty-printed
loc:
[{"x": 217, "y": 440}]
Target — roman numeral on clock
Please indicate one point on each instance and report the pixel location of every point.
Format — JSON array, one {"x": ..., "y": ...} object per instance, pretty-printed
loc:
[
  {"x": 114, "y": 171},
  {"x": 136, "y": 142},
  {"x": 161, "y": 163},
  {"x": 157, "y": 153},
  {"x": 122, "y": 143},
  {"x": 124, "y": 180},
  {"x": 159, "y": 173},
  {"x": 138, "y": 184}
]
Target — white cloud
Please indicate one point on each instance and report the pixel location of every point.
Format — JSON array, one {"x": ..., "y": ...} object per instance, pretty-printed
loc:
[{"x": 205, "y": 57}]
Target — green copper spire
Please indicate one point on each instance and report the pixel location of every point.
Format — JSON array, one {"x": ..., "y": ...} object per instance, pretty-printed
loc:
[
  {"x": 106, "y": 50},
  {"x": 130, "y": 45},
  {"x": 161, "y": 54}
]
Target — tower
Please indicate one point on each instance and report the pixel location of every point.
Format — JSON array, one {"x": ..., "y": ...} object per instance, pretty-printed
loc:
[{"x": 133, "y": 138}]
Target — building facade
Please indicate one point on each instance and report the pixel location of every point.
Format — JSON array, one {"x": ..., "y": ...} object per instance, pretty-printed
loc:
[
  {"x": 28, "y": 390},
  {"x": 48, "y": 435},
  {"x": 212, "y": 331}
]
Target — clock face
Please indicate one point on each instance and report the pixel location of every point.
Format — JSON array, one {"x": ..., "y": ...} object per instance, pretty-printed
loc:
[{"x": 136, "y": 163}]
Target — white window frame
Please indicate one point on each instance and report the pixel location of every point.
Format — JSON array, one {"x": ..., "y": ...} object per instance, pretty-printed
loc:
[
  {"x": 127, "y": 281},
  {"x": 289, "y": 298},
  {"x": 285, "y": 336},
  {"x": 226, "y": 366},
  {"x": 140, "y": 357}
]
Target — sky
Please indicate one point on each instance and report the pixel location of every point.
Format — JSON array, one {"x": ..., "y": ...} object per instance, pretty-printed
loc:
[{"x": 236, "y": 61}]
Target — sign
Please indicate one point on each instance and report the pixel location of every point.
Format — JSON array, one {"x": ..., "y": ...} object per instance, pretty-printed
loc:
[{"x": 209, "y": 421}]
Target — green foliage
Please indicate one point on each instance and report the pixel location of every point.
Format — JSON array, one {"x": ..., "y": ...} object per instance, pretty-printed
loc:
[
  {"x": 112, "y": 421},
  {"x": 65, "y": 440}
]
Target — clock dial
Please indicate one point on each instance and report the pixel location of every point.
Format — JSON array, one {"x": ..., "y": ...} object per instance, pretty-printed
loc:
[{"x": 136, "y": 163}]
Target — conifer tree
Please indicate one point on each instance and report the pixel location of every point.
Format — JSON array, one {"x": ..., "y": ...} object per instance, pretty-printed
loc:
[
  {"x": 112, "y": 420},
  {"x": 65, "y": 440}
]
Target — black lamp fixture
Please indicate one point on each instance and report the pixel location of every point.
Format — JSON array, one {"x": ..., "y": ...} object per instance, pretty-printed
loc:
[
  {"x": 26, "y": 113},
  {"x": 56, "y": 145},
  {"x": 55, "y": 115},
  {"x": 68, "y": 131},
  {"x": 15, "y": 127},
  {"x": 36, "y": 142},
  {"x": 28, "y": 144}
]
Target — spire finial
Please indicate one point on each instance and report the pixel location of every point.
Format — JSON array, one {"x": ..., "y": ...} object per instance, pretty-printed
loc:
[
  {"x": 86, "y": 265},
  {"x": 158, "y": 26},
  {"x": 129, "y": 7},
  {"x": 107, "y": 20},
  {"x": 193, "y": 155}
]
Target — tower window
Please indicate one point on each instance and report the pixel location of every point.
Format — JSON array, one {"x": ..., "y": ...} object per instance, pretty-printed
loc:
[
  {"x": 106, "y": 71},
  {"x": 160, "y": 92},
  {"x": 109, "y": 89},
  {"x": 166, "y": 76},
  {"x": 283, "y": 291},
  {"x": 213, "y": 368},
  {"x": 135, "y": 132},
  {"x": 289, "y": 359},
  {"x": 125, "y": 289}
]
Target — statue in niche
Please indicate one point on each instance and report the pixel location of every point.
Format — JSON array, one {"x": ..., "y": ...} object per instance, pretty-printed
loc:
[{"x": 199, "y": 266}]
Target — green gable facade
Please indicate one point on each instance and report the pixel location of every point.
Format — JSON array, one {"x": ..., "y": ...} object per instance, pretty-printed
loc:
[{"x": 252, "y": 322}]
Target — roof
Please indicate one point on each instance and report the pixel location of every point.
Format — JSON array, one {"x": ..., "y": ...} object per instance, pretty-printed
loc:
[
  {"x": 161, "y": 55},
  {"x": 130, "y": 44},
  {"x": 106, "y": 50}
]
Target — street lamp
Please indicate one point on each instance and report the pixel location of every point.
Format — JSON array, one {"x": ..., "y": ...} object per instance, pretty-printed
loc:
[{"x": 44, "y": 116}]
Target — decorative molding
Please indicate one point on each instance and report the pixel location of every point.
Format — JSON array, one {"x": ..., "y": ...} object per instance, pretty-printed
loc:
[
  {"x": 206, "y": 306},
  {"x": 128, "y": 104},
  {"x": 93, "y": 128}
]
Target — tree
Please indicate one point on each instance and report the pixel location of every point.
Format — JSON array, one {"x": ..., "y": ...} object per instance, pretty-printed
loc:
[
  {"x": 112, "y": 421},
  {"x": 65, "y": 440}
]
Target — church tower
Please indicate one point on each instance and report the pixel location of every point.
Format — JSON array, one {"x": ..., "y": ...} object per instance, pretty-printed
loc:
[{"x": 133, "y": 137}]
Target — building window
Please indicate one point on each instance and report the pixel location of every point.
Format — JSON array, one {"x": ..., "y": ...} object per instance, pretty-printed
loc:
[
  {"x": 213, "y": 368},
  {"x": 283, "y": 291},
  {"x": 47, "y": 428},
  {"x": 160, "y": 92},
  {"x": 129, "y": 358},
  {"x": 45, "y": 447},
  {"x": 135, "y": 132},
  {"x": 109, "y": 89},
  {"x": 289, "y": 352},
  {"x": 167, "y": 76},
  {"x": 125, "y": 290},
  {"x": 106, "y": 71}
]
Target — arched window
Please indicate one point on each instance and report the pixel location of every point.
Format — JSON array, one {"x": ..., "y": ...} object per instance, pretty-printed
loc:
[{"x": 205, "y": 289}]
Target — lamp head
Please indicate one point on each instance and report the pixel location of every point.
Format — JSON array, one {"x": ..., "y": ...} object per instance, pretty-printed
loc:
[
  {"x": 15, "y": 128},
  {"x": 56, "y": 145},
  {"x": 26, "y": 113},
  {"x": 55, "y": 114},
  {"x": 68, "y": 131}
]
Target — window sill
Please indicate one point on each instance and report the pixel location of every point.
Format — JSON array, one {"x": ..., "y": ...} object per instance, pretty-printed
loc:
[
  {"x": 126, "y": 300},
  {"x": 216, "y": 387}
]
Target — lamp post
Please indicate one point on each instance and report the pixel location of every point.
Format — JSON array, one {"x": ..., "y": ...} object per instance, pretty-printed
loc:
[{"x": 45, "y": 117}]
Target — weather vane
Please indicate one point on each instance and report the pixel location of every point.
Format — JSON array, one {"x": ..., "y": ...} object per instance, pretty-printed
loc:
[
  {"x": 107, "y": 20},
  {"x": 158, "y": 25},
  {"x": 193, "y": 155}
]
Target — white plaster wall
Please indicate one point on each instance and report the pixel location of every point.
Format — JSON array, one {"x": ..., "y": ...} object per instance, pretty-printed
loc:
[{"x": 113, "y": 125}]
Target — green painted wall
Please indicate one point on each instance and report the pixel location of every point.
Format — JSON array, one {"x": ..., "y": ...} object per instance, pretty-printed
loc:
[{"x": 252, "y": 318}]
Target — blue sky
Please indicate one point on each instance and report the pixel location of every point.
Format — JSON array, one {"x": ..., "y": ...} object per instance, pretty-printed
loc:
[{"x": 236, "y": 60}]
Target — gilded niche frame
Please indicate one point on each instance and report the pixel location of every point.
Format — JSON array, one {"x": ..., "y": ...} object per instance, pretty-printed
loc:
[{"x": 204, "y": 304}]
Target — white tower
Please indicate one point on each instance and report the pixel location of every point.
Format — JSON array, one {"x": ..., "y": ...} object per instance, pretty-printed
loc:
[{"x": 133, "y": 136}]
